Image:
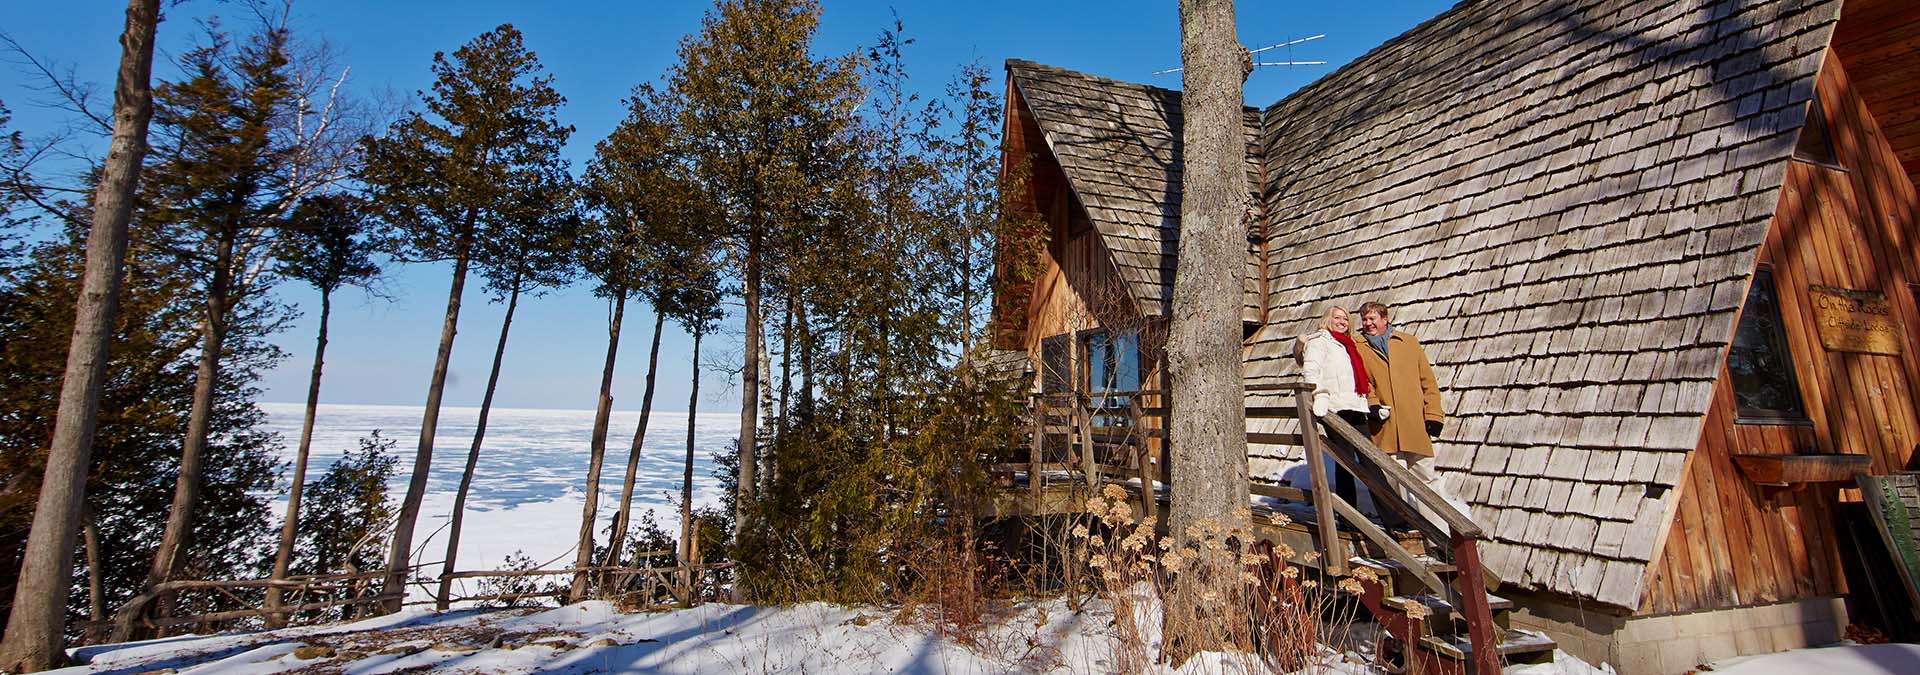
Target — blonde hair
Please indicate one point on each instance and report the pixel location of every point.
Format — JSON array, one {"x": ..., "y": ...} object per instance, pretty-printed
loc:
[{"x": 1326, "y": 318}]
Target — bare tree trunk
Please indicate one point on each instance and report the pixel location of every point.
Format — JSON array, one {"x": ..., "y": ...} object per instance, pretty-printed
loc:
[
  {"x": 786, "y": 365},
  {"x": 35, "y": 631},
  {"x": 398, "y": 557},
  {"x": 172, "y": 553},
  {"x": 283, "y": 556},
  {"x": 1208, "y": 427},
  {"x": 473, "y": 452},
  {"x": 624, "y": 515},
  {"x": 96, "y": 584},
  {"x": 597, "y": 452},
  {"x": 806, "y": 361},
  {"x": 686, "y": 477},
  {"x": 749, "y": 386}
]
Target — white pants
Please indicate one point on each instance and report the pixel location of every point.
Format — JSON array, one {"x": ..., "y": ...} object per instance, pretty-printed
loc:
[{"x": 1422, "y": 468}]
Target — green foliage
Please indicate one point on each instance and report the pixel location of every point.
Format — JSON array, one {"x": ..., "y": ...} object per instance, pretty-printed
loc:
[
  {"x": 350, "y": 511},
  {"x": 328, "y": 243},
  {"x": 143, "y": 416},
  {"x": 486, "y": 152}
]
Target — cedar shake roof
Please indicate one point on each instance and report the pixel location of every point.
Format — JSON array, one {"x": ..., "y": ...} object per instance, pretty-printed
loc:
[
  {"x": 1564, "y": 202},
  {"x": 1119, "y": 145}
]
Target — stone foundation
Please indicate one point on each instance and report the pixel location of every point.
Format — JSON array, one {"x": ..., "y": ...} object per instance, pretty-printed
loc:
[{"x": 1672, "y": 644}]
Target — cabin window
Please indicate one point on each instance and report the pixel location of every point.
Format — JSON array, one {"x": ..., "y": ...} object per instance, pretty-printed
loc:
[
  {"x": 1765, "y": 390},
  {"x": 1055, "y": 364},
  {"x": 1816, "y": 138},
  {"x": 1113, "y": 360}
]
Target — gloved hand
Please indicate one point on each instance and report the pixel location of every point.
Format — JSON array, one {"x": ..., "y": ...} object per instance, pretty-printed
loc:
[
  {"x": 1321, "y": 405},
  {"x": 1433, "y": 428},
  {"x": 1381, "y": 412}
]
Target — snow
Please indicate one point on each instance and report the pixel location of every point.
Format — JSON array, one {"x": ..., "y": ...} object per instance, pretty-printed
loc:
[
  {"x": 1849, "y": 659},
  {"x": 1033, "y": 637},
  {"x": 529, "y": 486}
]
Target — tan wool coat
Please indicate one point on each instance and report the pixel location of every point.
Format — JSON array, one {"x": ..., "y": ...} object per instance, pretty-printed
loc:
[{"x": 1402, "y": 379}]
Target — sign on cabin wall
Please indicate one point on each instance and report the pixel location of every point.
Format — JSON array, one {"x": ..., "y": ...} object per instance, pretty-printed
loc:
[{"x": 1854, "y": 321}]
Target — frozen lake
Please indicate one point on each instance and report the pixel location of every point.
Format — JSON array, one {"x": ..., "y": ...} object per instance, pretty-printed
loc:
[{"x": 529, "y": 485}]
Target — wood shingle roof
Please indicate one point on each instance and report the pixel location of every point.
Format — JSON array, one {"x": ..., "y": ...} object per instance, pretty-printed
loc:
[{"x": 1563, "y": 200}]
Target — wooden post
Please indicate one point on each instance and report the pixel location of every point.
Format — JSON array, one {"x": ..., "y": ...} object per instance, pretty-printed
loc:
[
  {"x": 1473, "y": 600},
  {"x": 1035, "y": 479},
  {"x": 1084, "y": 422},
  {"x": 1142, "y": 467},
  {"x": 1334, "y": 561}
]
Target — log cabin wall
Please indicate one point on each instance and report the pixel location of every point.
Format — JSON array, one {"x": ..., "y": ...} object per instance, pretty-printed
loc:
[{"x": 1853, "y": 227}]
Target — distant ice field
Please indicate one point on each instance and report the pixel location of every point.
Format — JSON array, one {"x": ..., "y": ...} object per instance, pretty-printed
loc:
[{"x": 529, "y": 484}]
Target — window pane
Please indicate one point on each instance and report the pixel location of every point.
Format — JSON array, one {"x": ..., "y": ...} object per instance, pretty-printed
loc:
[
  {"x": 1053, "y": 364},
  {"x": 1758, "y": 363}
]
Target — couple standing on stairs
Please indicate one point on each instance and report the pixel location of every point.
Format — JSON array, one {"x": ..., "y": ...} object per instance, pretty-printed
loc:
[{"x": 1380, "y": 381}]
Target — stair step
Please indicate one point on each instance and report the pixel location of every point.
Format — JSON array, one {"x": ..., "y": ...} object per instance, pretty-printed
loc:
[
  {"x": 1519, "y": 646},
  {"x": 1435, "y": 565},
  {"x": 1437, "y": 606}
]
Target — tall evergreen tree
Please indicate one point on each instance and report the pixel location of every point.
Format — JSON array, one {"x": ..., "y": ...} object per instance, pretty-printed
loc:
[
  {"x": 35, "y": 630},
  {"x": 1209, "y": 436},
  {"x": 637, "y": 184},
  {"x": 760, "y": 112},
  {"x": 529, "y": 250},
  {"x": 215, "y": 193},
  {"x": 966, "y": 199},
  {"x": 326, "y": 244},
  {"x": 443, "y": 180}
]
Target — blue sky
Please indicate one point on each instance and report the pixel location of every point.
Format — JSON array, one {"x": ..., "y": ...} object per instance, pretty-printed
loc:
[{"x": 382, "y": 351}]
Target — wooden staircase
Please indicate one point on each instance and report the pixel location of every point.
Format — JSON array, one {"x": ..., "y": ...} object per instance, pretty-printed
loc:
[{"x": 1425, "y": 587}]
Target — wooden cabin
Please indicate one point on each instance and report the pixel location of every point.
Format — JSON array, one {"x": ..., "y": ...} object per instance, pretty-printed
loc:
[{"x": 1664, "y": 256}]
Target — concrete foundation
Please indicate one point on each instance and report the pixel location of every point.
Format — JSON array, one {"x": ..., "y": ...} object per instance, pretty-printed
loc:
[{"x": 1672, "y": 644}]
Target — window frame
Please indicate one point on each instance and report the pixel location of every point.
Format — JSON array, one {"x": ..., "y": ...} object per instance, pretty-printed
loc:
[{"x": 1742, "y": 414}]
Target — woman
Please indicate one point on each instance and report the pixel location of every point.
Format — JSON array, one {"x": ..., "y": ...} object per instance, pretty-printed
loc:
[{"x": 1331, "y": 363}]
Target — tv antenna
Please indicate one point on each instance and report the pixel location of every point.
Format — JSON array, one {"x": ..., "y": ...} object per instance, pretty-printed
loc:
[{"x": 1258, "y": 63}]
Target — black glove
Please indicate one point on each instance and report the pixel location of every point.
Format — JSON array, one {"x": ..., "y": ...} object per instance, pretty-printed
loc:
[
  {"x": 1433, "y": 428},
  {"x": 1373, "y": 415}
]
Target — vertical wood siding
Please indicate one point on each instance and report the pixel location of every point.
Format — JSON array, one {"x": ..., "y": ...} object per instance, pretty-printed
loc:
[{"x": 1730, "y": 545}]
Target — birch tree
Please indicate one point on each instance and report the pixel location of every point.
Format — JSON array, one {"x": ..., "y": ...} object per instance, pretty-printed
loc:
[
  {"x": 442, "y": 178},
  {"x": 1204, "y": 610},
  {"x": 35, "y": 627}
]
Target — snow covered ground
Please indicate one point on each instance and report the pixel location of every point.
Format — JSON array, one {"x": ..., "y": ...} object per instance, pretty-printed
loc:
[
  {"x": 592, "y": 637},
  {"x": 529, "y": 484}
]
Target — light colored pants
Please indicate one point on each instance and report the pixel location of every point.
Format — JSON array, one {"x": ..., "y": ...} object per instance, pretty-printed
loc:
[{"x": 1422, "y": 468}]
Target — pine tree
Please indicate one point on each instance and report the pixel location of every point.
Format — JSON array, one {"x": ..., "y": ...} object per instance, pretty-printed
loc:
[
  {"x": 35, "y": 632},
  {"x": 351, "y": 497},
  {"x": 441, "y": 180},
  {"x": 325, "y": 243},
  {"x": 214, "y": 195},
  {"x": 1203, "y": 352},
  {"x": 646, "y": 205},
  {"x": 760, "y": 113}
]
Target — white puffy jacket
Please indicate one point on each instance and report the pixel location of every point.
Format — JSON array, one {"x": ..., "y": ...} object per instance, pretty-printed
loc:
[{"x": 1329, "y": 369}]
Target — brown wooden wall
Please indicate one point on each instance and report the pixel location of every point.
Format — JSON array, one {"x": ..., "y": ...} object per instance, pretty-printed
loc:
[{"x": 1729, "y": 544}]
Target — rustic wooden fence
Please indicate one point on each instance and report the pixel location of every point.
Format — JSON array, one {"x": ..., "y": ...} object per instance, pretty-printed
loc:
[{"x": 308, "y": 599}]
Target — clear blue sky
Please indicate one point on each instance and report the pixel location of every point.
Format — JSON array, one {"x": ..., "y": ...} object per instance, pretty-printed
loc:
[{"x": 382, "y": 352}]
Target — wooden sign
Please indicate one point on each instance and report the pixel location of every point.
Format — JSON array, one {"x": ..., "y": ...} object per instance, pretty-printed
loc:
[{"x": 1854, "y": 321}]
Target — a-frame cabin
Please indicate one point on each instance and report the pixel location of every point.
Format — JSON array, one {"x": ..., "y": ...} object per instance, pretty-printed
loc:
[{"x": 1665, "y": 258}]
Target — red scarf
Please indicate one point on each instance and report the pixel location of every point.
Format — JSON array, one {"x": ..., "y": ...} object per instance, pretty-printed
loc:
[{"x": 1359, "y": 369}]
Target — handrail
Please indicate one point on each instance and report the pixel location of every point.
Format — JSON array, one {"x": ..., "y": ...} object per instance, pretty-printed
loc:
[{"x": 1425, "y": 494}]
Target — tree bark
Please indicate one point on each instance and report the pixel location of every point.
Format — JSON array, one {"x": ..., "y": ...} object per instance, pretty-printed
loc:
[
  {"x": 398, "y": 557},
  {"x": 289, "y": 527},
  {"x": 749, "y": 386},
  {"x": 172, "y": 553},
  {"x": 96, "y": 583},
  {"x": 786, "y": 365},
  {"x": 686, "y": 477},
  {"x": 36, "y": 626},
  {"x": 597, "y": 452},
  {"x": 1208, "y": 420},
  {"x": 624, "y": 515},
  {"x": 473, "y": 453}
]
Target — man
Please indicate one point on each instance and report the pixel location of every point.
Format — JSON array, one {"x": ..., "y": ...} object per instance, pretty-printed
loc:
[{"x": 1402, "y": 384}]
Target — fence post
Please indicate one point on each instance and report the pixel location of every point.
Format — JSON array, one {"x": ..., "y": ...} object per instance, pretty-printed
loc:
[
  {"x": 1333, "y": 559},
  {"x": 1083, "y": 420},
  {"x": 1035, "y": 479},
  {"x": 1149, "y": 501}
]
